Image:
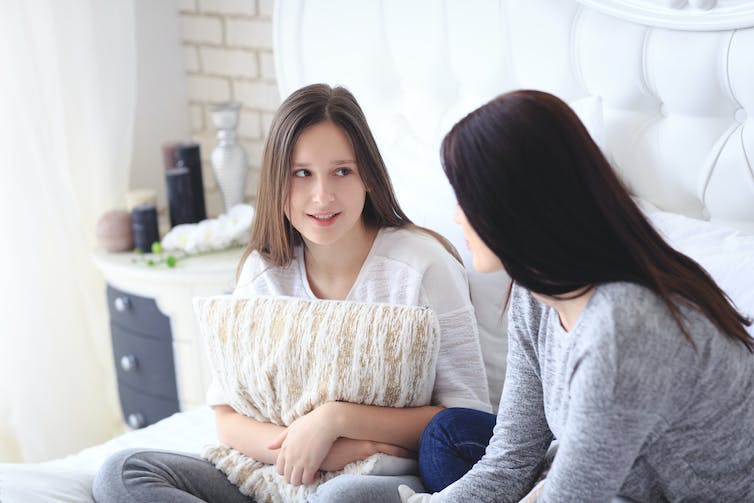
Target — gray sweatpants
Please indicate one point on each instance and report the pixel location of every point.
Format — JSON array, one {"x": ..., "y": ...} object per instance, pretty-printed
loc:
[{"x": 138, "y": 475}]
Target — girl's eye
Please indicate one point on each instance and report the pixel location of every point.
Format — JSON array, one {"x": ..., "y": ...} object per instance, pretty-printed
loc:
[
  {"x": 343, "y": 171},
  {"x": 301, "y": 173}
]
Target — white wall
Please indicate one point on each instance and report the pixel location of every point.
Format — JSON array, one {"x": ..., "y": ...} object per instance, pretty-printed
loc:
[{"x": 162, "y": 112}]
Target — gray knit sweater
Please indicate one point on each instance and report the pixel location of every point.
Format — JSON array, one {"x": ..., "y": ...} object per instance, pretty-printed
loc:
[{"x": 636, "y": 410}]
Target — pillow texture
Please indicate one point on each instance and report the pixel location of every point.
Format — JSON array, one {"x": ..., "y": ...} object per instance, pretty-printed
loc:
[{"x": 278, "y": 358}]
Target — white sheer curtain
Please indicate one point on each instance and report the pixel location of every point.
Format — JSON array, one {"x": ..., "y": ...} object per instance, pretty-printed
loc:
[{"x": 67, "y": 97}]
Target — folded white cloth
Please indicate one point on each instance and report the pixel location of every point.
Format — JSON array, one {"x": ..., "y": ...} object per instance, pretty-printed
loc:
[{"x": 229, "y": 229}]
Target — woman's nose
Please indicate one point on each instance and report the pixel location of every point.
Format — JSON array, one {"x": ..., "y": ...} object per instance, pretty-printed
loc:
[{"x": 458, "y": 215}]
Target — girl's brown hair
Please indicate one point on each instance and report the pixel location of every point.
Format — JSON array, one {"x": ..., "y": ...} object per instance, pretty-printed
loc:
[
  {"x": 272, "y": 234},
  {"x": 542, "y": 196}
]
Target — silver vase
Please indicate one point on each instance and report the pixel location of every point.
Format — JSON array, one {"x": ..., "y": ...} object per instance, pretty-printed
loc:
[{"x": 228, "y": 157}]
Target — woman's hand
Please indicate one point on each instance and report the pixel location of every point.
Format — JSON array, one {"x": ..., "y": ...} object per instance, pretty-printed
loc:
[
  {"x": 304, "y": 445},
  {"x": 534, "y": 493},
  {"x": 409, "y": 496},
  {"x": 347, "y": 450}
]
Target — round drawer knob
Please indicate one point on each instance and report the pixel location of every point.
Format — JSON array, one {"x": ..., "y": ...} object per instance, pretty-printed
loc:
[
  {"x": 128, "y": 363},
  {"x": 122, "y": 304},
  {"x": 135, "y": 420}
]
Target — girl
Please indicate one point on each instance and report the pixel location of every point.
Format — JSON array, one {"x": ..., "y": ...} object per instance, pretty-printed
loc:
[
  {"x": 621, "y": 348},
  {"x": 327, "y": 226}
]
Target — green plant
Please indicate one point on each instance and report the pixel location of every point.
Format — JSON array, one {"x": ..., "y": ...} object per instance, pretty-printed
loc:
[{"x": 157, "y": 257}]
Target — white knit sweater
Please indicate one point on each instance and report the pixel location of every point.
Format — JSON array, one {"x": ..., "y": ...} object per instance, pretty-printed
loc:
[{"x": 404, "y": 267}]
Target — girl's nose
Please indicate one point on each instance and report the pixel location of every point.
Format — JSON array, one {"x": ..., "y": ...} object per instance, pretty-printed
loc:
[{"x": 323, "y": 192}]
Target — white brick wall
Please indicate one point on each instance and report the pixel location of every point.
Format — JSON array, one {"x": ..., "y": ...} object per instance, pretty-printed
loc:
[
  {"x": 230, "y": 7},
  {"x": 197, "y": 118},
  {"x": 208, "y": 89},
  {"x": 255, "y": 94},
  {"x": 249, "y": 33},
  {"x": 202, "y": 29},
  {"x": 190, "y": 59},
  {"x": 187, "y": 5},
  {"x": 266, "y": 7},
  {"x": 267, "y": 66},
  {"x": 250, "y": 125},
  {"x": 227, "y": 55},
  {"x": 229, "y": 62}
]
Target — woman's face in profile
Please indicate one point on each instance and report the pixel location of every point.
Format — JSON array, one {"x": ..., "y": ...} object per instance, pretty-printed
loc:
[{"x": 482, "y": 257}]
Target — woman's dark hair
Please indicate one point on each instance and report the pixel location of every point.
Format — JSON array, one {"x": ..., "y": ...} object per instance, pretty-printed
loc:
[{"x": 543, "y": 198}]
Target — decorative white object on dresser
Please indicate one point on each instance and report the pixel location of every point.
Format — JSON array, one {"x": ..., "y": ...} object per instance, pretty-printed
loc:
[{"x": 157, "y": 347}]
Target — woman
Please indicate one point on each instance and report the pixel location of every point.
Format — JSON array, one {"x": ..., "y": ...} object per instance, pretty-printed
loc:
[{"x": 620, "y": 347}]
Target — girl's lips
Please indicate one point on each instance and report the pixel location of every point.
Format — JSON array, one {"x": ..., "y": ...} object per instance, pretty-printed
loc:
[{"x": 323, "y": 219}]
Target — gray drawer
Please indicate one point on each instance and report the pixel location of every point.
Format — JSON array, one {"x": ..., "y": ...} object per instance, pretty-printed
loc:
[
  {"x": 141, "y": 409},
  {"x": 144, "y": 363},
  {"x": 137, "y": 314}
]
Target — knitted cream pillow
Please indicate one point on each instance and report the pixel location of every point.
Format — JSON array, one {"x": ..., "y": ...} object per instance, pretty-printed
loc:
[{"x": 277, "y": 358}]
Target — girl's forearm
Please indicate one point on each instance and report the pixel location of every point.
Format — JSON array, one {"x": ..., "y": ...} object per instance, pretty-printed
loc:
[
  {"x": 246, "y": 435},
  {"x": 347, "y": 450},
  {"x": 401, "y": 427}
]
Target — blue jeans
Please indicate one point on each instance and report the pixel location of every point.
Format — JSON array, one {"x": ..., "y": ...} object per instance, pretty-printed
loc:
[{"x": 453, "y": 441}]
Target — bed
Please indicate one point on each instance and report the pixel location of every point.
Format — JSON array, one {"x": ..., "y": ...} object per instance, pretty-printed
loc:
[{"x": 665, "y": 88}]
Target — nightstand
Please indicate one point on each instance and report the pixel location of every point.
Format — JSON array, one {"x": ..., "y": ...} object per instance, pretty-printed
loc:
[{"x": 158, "y": 351}]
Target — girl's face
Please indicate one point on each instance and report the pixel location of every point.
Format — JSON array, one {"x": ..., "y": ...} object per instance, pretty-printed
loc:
[
  {"x": 482, "y": 257},
  {"x": 326, "y": 192}
]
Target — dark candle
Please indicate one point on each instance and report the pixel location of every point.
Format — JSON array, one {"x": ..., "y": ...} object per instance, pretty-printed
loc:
[
  {"x": 180, "y": 193},
  {"x": 144, "y": 226},
  {"x": 188, "y": 156}
]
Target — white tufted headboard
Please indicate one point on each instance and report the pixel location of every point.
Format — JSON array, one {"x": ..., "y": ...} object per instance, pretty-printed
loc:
[
  {"x": 675, "y": 79},
  {"x": 676, "y": 82}
]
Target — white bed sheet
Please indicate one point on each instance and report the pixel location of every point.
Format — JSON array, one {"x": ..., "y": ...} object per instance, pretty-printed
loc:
[{"x": 70, "y": 479}]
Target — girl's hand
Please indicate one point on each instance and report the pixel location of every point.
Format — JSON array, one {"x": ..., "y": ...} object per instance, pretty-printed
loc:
[
  {"x": 304, "y": 445},
  {"x": 347, "y": 450}
]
